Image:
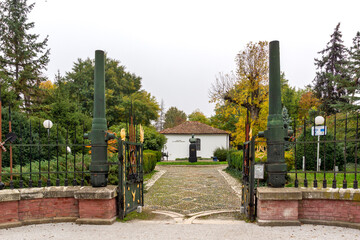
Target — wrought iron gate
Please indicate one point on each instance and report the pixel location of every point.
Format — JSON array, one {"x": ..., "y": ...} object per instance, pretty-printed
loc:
[
  {"x": 248, "y": 188},
  {"x": 130, "y": 189}
]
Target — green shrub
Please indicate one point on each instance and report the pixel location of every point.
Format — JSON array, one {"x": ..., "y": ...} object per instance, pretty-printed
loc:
[
  {"x": 157, "y": 153},
  {"x": 149, "y": 161},
  {"x": 289, "y": 159},
  {"x": 310, "y": 147},
  {"x": 69, "y": 167},
  {"x": 235, "y": 159},
  {"x": 220, "y": 153}
]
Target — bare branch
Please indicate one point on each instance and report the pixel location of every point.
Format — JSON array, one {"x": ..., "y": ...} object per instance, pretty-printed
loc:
[{"x": 221, "y": 88}]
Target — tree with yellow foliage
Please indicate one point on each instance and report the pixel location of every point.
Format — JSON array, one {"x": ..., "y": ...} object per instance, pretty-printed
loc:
[{"x": 245, "y": 92}]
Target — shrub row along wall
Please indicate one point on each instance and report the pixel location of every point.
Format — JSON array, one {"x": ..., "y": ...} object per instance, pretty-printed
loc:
[
  {"x": 83, "y": 205},
  {"x": 293, "y": 206}
]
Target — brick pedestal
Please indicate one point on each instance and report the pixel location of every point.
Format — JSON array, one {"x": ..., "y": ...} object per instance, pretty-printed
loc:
[
  {"x": 84, "y": 205},
  {"x": 292, "y": 206},
  {"x": 278, "y": 206}
]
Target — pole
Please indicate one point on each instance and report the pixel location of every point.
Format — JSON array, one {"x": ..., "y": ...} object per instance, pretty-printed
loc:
[
  {"x": 276, "y": 132},
  {"x": 318, "y": 153},
  {"x": 2, "y": 185},
  {"x": 99, "y": 168}
]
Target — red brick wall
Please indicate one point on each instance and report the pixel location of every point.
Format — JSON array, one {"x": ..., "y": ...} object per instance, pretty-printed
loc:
[
  {"x": 330, "y": 210},
  {"x": 48, "y": 208},
  {"x": 277, "y": 210},
  {"x": 9, "y": 212},
  {"x": 94, "y": 208}
]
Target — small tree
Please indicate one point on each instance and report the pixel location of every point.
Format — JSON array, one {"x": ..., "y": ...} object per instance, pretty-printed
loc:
[
  {"x": 198, "y": 116},
  {"x": 174, "y": 117},
  {"x": 161, "y": 119}
]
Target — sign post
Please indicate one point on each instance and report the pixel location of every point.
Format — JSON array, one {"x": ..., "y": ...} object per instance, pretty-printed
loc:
[{"x": 318, "y": 131}]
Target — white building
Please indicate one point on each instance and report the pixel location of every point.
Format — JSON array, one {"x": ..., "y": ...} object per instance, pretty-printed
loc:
[{"x": 210, "y": 138}]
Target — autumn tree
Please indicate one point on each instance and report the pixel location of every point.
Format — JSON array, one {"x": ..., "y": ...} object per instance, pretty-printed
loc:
[
  {"x": 22, "y": 56},
  {"x": 174, "y": 117},
  {"x": 331, "y": 73},
  {"x": 226, "y": 116},
  {"x": 198, "y": 116},
  {"x": 246, "y": 90},
  {"x": 307, "y": 102}
]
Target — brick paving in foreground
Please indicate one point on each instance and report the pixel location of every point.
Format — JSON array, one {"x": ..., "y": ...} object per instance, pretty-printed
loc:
[{"x": 191, "y": 189}]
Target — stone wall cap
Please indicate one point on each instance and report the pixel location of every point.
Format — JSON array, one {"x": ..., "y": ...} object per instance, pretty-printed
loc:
[
  {"x": 9, "y": 195},
  {"x": 60, "y": 192},
  {"x": 108, "y": 192},
  {"x": 31, "y": 193},
  {"x": 267, "y": 193},
  {"x": 331, "y": 194}
]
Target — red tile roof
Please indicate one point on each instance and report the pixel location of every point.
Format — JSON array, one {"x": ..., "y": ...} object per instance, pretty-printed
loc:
[{"x": 190, "y": 127}]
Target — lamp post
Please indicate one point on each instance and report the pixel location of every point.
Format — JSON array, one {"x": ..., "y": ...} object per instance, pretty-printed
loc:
[
  {"x": 319, "y": 120},
  {"x": 48, "y": 124}
]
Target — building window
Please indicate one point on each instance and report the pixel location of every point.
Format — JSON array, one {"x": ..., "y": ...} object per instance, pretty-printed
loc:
[{"x": 198, "y": 148}]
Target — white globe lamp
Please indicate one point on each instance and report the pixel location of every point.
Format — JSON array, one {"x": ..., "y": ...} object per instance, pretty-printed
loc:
[{"x": 319, "y": 120}]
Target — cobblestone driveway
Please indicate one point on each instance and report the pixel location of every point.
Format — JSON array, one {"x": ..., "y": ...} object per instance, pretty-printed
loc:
[{"x": 191, "y": 189}]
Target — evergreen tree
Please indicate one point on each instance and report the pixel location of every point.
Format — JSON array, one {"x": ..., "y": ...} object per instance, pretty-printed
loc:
[
  {"x": 22, "y": 57},
  {"x": 331, "y": 73},
  {"x": 352, "y": 86}
]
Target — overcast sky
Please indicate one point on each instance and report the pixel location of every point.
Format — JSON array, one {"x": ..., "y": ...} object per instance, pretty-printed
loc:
[{"x": 178, "y": 47}]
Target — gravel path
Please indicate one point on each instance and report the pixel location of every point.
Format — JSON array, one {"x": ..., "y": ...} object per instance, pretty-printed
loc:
[
  {"x": 151, "y": 230},
  {"x": 191, "y": 189}
]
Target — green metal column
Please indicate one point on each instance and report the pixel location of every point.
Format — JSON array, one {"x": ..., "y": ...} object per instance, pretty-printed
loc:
[
  {"x": 276, "y": 132},
  {"x": 99, "y": 167}
]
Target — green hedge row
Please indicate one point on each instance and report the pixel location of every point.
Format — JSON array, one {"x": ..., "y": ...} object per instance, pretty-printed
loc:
[
  {"x": 235, "y": 159},
  {"x": 157, "y": 154},
  {"x": 150, "y": 159}
]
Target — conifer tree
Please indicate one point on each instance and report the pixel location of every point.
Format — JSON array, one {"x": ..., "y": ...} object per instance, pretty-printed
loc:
[
  {"x": 352, "y": 86},
  {"x": 22, "y": 56},
  {"x": 331, "y": 73}
]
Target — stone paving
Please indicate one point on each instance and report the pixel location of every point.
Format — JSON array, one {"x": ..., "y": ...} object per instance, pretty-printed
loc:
[{"x": 192, "y": 189}]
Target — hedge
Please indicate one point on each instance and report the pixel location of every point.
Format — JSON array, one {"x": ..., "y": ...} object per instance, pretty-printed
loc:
[
  {"x": 157, "y": 153},
  {"x": 221, "y": 154},
  {"x": 235, "y": 159},
  {"x": 150, "y": 159}
]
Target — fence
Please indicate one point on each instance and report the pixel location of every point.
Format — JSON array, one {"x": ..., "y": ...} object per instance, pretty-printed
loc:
[
  {"x": 33, "y": 156},
  {"x": 327, "y": 160}
]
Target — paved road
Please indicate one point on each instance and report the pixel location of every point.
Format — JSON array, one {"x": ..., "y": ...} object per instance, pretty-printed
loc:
[{"x": 151, "y": 230}]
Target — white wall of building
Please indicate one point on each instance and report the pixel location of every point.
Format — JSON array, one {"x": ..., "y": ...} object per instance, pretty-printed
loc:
[{"x": 177, "y": 145}]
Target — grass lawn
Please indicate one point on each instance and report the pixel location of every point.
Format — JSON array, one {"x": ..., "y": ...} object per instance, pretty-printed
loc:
[
  {"x": 190, "y": 163},
  {"x": 147, "y": 176},
  {"x": 350, "y": 177}
]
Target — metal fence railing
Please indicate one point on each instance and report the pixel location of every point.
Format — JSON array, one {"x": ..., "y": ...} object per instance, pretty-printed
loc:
[
  {"x": 33, "y": 156},
  {"x": 324, "y": 156}
]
